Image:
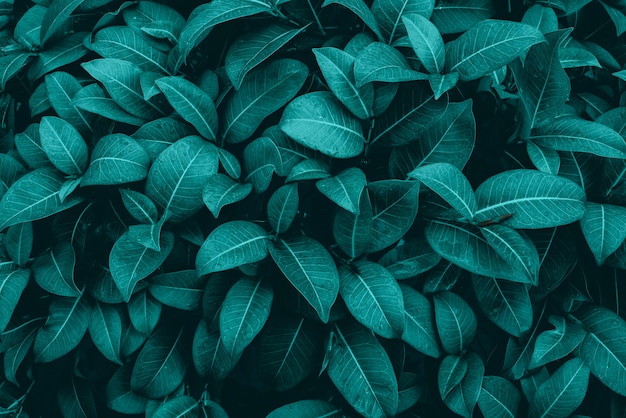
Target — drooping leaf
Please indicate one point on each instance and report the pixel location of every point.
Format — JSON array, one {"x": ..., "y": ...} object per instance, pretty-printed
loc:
[
  {"x": 318, "y": 121},
  {"x": 419, "y": 323},
  {"x": 604, "y": 229},
  {"x": 454, "y": 16},
  {"x": 352, "y": 231},
  {"x": 373, "y": 297},
  {"x": 144, "y": 312},
  {"x": 54, "y": 270},
  {"x": 93, "y": 99},
  {"x": 553, "y": 345},
  {"x": 122, "y": 42},
  {"x": 359, "y": 8},
  {"x": 310, "y": 269},
  {"x": 178, "y": 289},
  {"x": 463, "y": 396},
  {"x": 221, "y": 190},
  {"x": 535, "y": 199},
  {"x": 389, "y": 14},
  {"x": 381, "y": 62},
  {"x": 345, "y": 188},
  {"x": 116, "y": 159},
  {"x": 426, "y": 42},
  {"x": 282, "y": 207},
  {"x": 306, "y": 409},
  {"x": 231, "y": 245},
  {"x": 67, "y": 322},
  {"x": 120, "y": 397},
  {"x": 56, "y": 17},
  {"x": 518, "y": 251},
  {"x": 140, "y": 206},
  {"x": 63, "y": 145},
  {"x": 19, "y": 242},
  {"x": 489, "y": 45},
  {"x": 12, "y": 284},
  {"x": 105, "y": 329},
  {"x": 456, "y": 321},
  {"x": 498, "y": 398},
  {"x": 361, "y": 370}
]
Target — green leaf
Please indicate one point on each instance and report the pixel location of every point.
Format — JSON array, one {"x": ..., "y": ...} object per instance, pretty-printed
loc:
[
  {"x": 56, "y": 17},
  {"x": 140, "y": 206},
  {"x": 442, "y": 83},
  {"x": 155, "y": 19},
  {"x": 177, "y": 177},
  {"x": 160, "y": 133},
  {"x": 122, "y": 42},
  {"x": 67, "y": 322},
  {"x": 120, "y": 397},
  {"x": 454, "y": 16},
  {"x": 192, "y": 104},
  {"x": 308, "y": 170},
  {"x": 553, "y": 345},
  {"x": 12, "y": 284},
  {"x": 373, "y": 297},
  {"x": 19, "y": 242},
  {"x": 131, "y": 262},
  {"x": 62, "y": 52},
  {"x": 351, "y": 231},
  {"x": 116, "y": 159},
  {"x": 28, "y": 28},
  {"x": 221, "y": 190},
  {"x": 518, "y": 251},
  {"x": 463, "y": 396},
  {"x": 360, "y": 9},
  {"x": 33, "y": 196},
  {"x": 499, "y": 398},
  {"x": 489, "y": 45},
  {"x": 144, "y": 312},
  {"x": 337, "y": 67},
  {"x": 251, "y": 49},
  {"x": 563, "y": 392},
  {"x": 419, "y": 324},
  {"x": 572, "y": 134},
  {"x": 381, "y": 62},
  {"x": 450, "y": 139},
  {"x": 361, "y": 370},
  {"x": 507, "y": 304},
  {"x": 451, "y": 372},
  {"x": 94, "y": 100},
  {"x": 265, "y": 90},
  {"x": 535, "y": 199},
  {"x": 178, "y": 289},
  {"x": 180, "y": 407},
  {"x": 450, "y": 184},
  {"x": 426, "y": 42},
  {"x": 63, "y": 145},
  {"x": 389, "y": 14},
  {"x": 602, "y": 348},
  {"x": 310, "y": 269},
  {"x": 39, "y": 102},
  {"x": 282, "y": 207},
  {"x": 105, "y": 329},
  {"x": 307, "y": 409},
  {"x": 345, "y": 188},
  {"x": 394, "y": 208},
  {"x": 456, "y": 322},
  {"x": 411, "y": 113},
  {"x": 244, "y": 312},
  {"x": 231, "y": 245},
  {"x": 410, "y": 258},
  {"x": 161, "y": 364},
  {"x": 604, "y": 229},
  {"x": 54, "y": 270},
  {"x": 288, "y": 349}
]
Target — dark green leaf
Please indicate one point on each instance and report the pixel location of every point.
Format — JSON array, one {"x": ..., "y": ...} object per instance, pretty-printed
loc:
[
  {"x": 116, "y": 159},
  {"x": 463, "y": 397},
  {"x": 17, "y": 349},
  {"x": 419, "y": 323},
  {"x": 179, "y": 289},
  {"x": 210, "y": 358},
  {"x": 120, "y": 397},
  {"x": 75, "y": 398},
  {"x": 604, "y": 228},
  {"x": 359, "y": 8},
  {"x": 11, "y": 64},
  {"x": 426, "y": 42},
  {"x": 19, "y": 242},
  {"x": 54, "y": 270},
  {"x": 345, "y": 188},
  {"x": 542, "y": 17},
  {"x": 545, "y": 159},
  {"x": 454, "y": 16},
  {"x": 517, "y": 250},
  {"x": 139, "y": 206},
  {"x": 63, "y": 145},
  {"x": 144, "y": 312},
  {"x": 456, "y": 322},
  {"x": 221, "y": 190},
  {"x": 555, "y": 344},
  {"x": 282, "y": 207},
  {"x": 56, "y": 17},
  {"x": 351, "y": 231},
  {"x": 261, "y": 158},
  {"x": 308, "y": 170},
  {"x": 94, "y": 100},
  {"x": 105, "y": 328},
  {"x": 412, "y": 257},
  {"x": 180, "y": 407},
  {"x": 65, "y": 51},
  {"x": 389, "y": 14},
  {"x": 12, "y": 284}
]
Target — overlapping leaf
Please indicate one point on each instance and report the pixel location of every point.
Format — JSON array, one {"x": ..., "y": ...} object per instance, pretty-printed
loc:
[
  {"x": 456, "y": 321},
  {"x": 116, "y": 159}
]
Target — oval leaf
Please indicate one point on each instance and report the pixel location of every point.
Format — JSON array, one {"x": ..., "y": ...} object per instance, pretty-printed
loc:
[
  {"x": 419, "y": 324},
  {"x": 63, "y": 145},
  {"x": 282, "y": 207},
  {"x": 456, "y": 322},
  {"x": 116, "y": 159}
]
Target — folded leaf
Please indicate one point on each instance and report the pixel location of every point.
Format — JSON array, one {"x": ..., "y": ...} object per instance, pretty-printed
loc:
[
  {"x": 381, "y": 62},
  {"x": 63, "y": 145},
  {"x": 389, "y": 14},
  {"x": 426, "y": 42},
  {"x": 553, "y": 345}
]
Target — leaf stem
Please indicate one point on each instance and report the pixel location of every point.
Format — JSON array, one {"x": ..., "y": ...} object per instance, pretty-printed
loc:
[{"x": 317, "y": 19}]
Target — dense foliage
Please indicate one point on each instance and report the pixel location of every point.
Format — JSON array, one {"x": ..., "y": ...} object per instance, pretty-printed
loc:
[{"x": 309, "y": 208}]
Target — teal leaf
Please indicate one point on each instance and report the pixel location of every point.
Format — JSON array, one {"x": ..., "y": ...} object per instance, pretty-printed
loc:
[
  {"x": 56, "y": 17},
  {"x": 389, "y": 14},
  {"x": 308, "y": 408},
  {"x": 419, "y": 323},
  {"x": 426, "y": 42},
  {"x": 451, "y": 372},
  {"x": 67, "y": 323},
  {"x": 361, "y": 370},
  {"x": 462, "y": 398},
  {"x": 381, "y": 62},
  {"x": 456, "y": 321},
  {"x": 12, "y": 284},
  {"x": 352, "y": 231},
  {"x": 337, "y": 67},
  {"x": 231, "y": 245},
  {"x": 535, "y": 199},
  {"x": 604, "y": 229},
  {"x": 11, "y": 64},
  {"x": 16, "y": 345},
  {"x": 177, "y": 177},
  {"x": 318, "y": 121},
  {"x": 182, "y": 407},
  {"x": 499, "y": 398},
  {"x": 76, "y": 394},
  {"x": 345, "y": 188},
  {"x": 489, "y": 45},
  {"x": 360, "y": 9},
  {"x": 373, "y": 297},
  {"x": 161, "y": 364},
  {"x": 563, "y": 392},
  {"x": 450, "y": 184},
  {"x": 144, "y": 312},
  {"x": 19, "y": 242},
  {"x": 518, "y": 251},
  {"x": 244, "y": 312},
  {"x": 178, "y": 289},
  {"x": 140, "y": 206},
  {"x": 39, "y": 102},
  {"x": 221, "y": 190},
  {"x": 282, "y": 207},
  {"x": 441, "y": 83},
  {"x": 192, "y": 104},
  {"x": 261, "y": 158},
  {"x": 545, "y": 159},
  {"x": 122, "y": 42},
  {"x": 553, "y": 345},
  {"x": 116, "y": 159},
  {"x": 63, "y": 145},
  {"x": 410, "y": 258},
  {"x": 229, "y": 163},
  {"x": 308, "y": 170},
  {"x": 210, "y": 358},
  {"x": 265, "y": 90},
  {"x": 93, "y": 99},
  {"x": 542, "y": 17},
  {"x": 454, "y": 16},
  {"x": 105, "y": 329},
  {"x": 130, "y": 261},
  {"x": 155, "y": 19},
  {"x": 251, "y": 49},
  {"x": 54, "y": 270},
  {"x": 62, "y": 87},
  {"x": 572, "y": 57},
  {"x": 310, "y": 269},
  {"x": 120, "y": 397}
]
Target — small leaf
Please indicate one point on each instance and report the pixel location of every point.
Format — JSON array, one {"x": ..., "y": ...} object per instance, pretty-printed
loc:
[
  {"x": 426, "y": 42},
  {"x": 545, "y": 159},
  {"x": 231, "y": 245},
  {"x": 144, "y": 312},
  {"x": 518, "y": 251},
  {"x": 381, "y": 62},
  {"x": 456, "y": 322},
  {"x": 221, "y": 190},
  {"x": 120, "y": 397},
  {"x": 389, "y": 13},
  {"x": 105, "y": 329},
  {"x": 419, "y": 323},
  {"x": 54, "y": 271},
  {"x": 63, "y": 145},
  {"x": 12, "y": 284},
  {"x": 178, "y": 289},
  {"x": 604, "y": 229},
  {"x": 116, "y": 159},
  {"x": 93, "y": 99},
  {"x": 140, "y": 206},
  {"x": 261, "y": 158},
  {"x": 210, "y": 358},
  {"x": 463, "y": 397},
  {"x": 499, "y": 398},
  {"x": 553, "y": 345},
  {"x": 345, "y": 188},
  {"x": 351, "y": 231},
  {"x": 282, "y": 207},
  {"x": 19, "y": 242}
]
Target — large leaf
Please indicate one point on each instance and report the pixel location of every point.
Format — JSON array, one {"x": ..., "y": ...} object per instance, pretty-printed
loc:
[
  {"x": 489, "y": 45},
  {"x": 105, "y": 329},
  {"x": 12, "y": 284},
  {"x": 604, "y": 228},
  {"x": 419, "y": 324},
  {"x": 124, "y": 43},
  {"x": 535, "y": 199},
  {"x": 426, "y": 42},
  {"x": 244, "y": 311},
  {"x": 307, "y": 409},
  {"x": 602, "y": 348},
  {"x": 54, "y": 270},
  {"x": 373, "y": 297},
  {"x": 381, "y": 62},
  {"x": 318, "y": 121},
  {"x": 176, "y": 178},
  {"x": 361, "y": 370},
  {"x": 310, "y": 269},
  {"x": 34, "y": 196},
  {"x": 265, "y": 90},
  {"x": 454, "y": 16},
  {"x": 456, "y": 322},
  {"x": 563, "y": 392},
  {"x": 553, "y": 345},
  {"x": 63, "y": 145},
  {"x": 389, "y": 14},
  {"x": 116, "y": 159},
  {"x": 67, "y": 322},
  {"x": 161, "y": 364},
  {"x": 231, "y": 245},
  {"x": 499, "y": 398},
  {"x": 504, "y": 302},
  {"x": 130, "y": 261}
]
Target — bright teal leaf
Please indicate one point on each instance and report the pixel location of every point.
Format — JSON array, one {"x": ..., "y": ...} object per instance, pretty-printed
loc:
[
  {"x": 426, "y": 42},
  {"x": 604, "y": 229},
  {"x": 221, "y": 190},
  {"x": 116, "y": 159},
  {"x": 282, "y": 207},
  {"x": 456, "y": 321},
  {"x": 63, "y": 145},
  {"x": 419, "y": 325}
]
